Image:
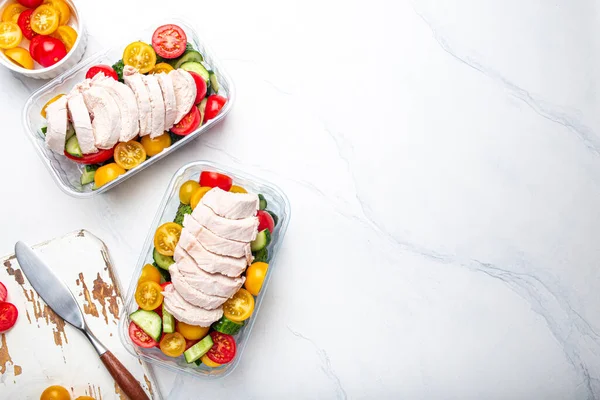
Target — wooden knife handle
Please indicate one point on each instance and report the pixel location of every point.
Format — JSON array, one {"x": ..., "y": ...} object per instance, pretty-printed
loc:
[{"x": 129, "y": 385}]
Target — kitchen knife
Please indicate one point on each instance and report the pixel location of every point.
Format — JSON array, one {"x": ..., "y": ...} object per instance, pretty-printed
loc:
[{"x": 60, "y": 299}]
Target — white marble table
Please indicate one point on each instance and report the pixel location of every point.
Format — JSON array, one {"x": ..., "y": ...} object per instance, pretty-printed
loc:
[{"x": 443, "y": 164}]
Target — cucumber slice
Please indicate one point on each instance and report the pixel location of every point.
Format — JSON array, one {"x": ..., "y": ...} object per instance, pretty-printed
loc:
[
  {"x": 262, "y": 240},
  {"x": 163, "y": 262},
  {"x": 197, "y": 68},
  {"x": 214, "y": 82},
  {"x": 275, "y": 217},
  {"x": 72, "y": 147},
  {"x": 202, "y": 109},
  {"x": 261, "y": 255},
  {"x": 227, "y": 326},
  {"x": 165, "y": 273},
  {"x": 87, "y": 176},
  {"x": 262, "y": 202},
  {"x": 188, "y": 56},
  {"x": 198, "y": 350},
  {"x": 168, "y": 321},
  {"x": 70, "y": 131},
  {"x": 149, "y": 322}
]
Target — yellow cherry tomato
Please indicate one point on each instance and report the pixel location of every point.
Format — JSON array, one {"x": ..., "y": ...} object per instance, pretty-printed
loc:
[
  {"x": 148, "y": 295},
  {"x": 11, "y": 12},
  {"x": 10, "y": 35},
  {"x": 237, "y": 189},
  {"x": 208, "y": 362},
  {"x": 173, "y": 344},
  {"x": 67, "y": 35},
  {"x": 63, "y": 10},
  {"x": 162, "y": 67},
  {"x": 150, "y": 273},
  {"x": 156, "y": 145},
  {"x": 52, "y": 100},
  {"x": 255, "y": 276},
  {"x": 141, "y": 56},
  {"x": 187, "y": 190},
  {"x": 20, "y": 56},
  {"x": 198, "y": 195},
  {"x": 45, "y": 20},
  {"x": 85, "y": 398},
  {"x": 129, "y": 155},
  {"x": 192, "y": 332},
  {"x": 166, "y": 238},
  {"x": 55, "y": 392},
  {"x": 240, "y": 307},
  {"x": 107, "y": 173}
]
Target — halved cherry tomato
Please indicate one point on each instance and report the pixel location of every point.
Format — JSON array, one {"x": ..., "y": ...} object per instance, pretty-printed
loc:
[
  {"x": 215, "y": 179},
  {"x": 8, "y": 316},
  {"x": 188, "y": 124},
  {"x": 173, "y": 344},
  {"x": 55, "y": 392},
  {"x": 237, "y": 189},
  {"x": 52, "y": 100},
  {"x": 140, "y": 56},
  {"x": 198, "y": 195},
  {"x": 45, "y": 19},
  {"x": 20, "y": 56},
  {"x": 239, "y": 307},
  {"x": 223, "y": 350},
  {"x": 265, "y": 221},
  {"x": 85, "y": 398},
  {"x": 255, "y": 277},
  {"x": 11, "y": 12},
  {"x": 156, "y": 145},
  {"x": 141, "y": 338},
  {"x": 165, "y": 284},
  {"x": 49, "y": 51},
  {"x": 63, "y": 10},
  {"x": 187, "y": 190},
  {"x": 3, "y": 292},
  {"x": 150, "y": 273},
  {"x": 166, "y": 238},
  {"x": 148, "y": 295},
  {"x": 208, "y": 362},
  {"x": 200, "y": 86},
  {"x": 67, "y": 35},
  {"x": 30, "y": 3},
  {"x": 105, "y": 69},
  {"x": 107, "y": 173},
  {"x": 10, "y": 35},
  {"x": 214, "y": 104},
  {"x": 34, "y": 46},
  {"x": 129, "y": 155},
  {"x": 192, "y": 332},
  {"x": 162, "y": 67},
  {"x": 24, "y": 23},
  {"x": 96, "y": 158},
  {"x": 169, "y": 41}
]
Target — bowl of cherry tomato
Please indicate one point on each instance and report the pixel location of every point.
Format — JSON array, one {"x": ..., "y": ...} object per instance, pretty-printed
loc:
[{"x": 40, "y": 39}]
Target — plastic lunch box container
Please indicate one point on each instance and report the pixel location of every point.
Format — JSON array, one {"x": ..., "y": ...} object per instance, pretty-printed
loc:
[
  {"x": 66, "y": 173},
  {"x": 276, "y": 202}
]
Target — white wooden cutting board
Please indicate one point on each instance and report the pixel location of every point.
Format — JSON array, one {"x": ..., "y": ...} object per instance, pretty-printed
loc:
[{"x": 41, "y": 350}]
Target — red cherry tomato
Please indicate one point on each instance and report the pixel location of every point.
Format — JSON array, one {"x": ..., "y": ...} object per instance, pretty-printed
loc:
[
  {"x": 34, "y": 46},
  {"x": 50, "y": 51},
  {"x": 190, "y": 343},
  {"x": 140, "y": 338},
  {"x": 24, "y": 23},
  {"x": 165, "y": 284},
  {"x": 265, "y": 221},
  {"x": 96, "y": 158},
  {"x": 169, "y": 41},
  {"x": 188, "y": 124},
  {"x": 105, "y": 69},
  {"x": 3, "y": 292},
  {"x": 200, "y": 86},
  {"x": 215, "y": 179},
  {"x": 8, "y": 316},
  {"x": 30, "y": 3},
  {"x": 223, "y": 349},
  {"x": 214, "y": 104}
]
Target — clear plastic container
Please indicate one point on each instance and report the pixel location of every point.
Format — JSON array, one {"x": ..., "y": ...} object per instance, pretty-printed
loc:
[
  {"x": 65, "y": 172},
  {"x": 277, "y": 202}
]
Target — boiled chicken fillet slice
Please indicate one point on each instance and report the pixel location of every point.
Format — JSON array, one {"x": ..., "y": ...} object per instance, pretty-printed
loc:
[
  {"x": 168, "y": 93},
  {"x": 231, "y": 205},
  {"x": 216, "y": 244},
  {"x": 157, "y": 106},
  {"x": 127, "y": 103},
  {"x": 106, "y": 120},
  {"x": 185, "y": 92},
  {"x": 189, "y": 313},
  {"x": 56, "y": 115},
  {"x": 135, "y": 82},
  {"x": 243, "y": 230},
  {"x": 211, "y": 284},
  {"x": 82, "y": 123},
  {"x": 191, "y": 294}
]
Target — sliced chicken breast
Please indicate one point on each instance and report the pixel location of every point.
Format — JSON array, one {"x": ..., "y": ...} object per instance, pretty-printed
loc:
[
  {"x": 168, "y": 93},
  {"x": 56, "y": 134},
  {"x": 231, "y": 205},
  {"x": 189, "y": 313},
  {"x": 106, "y": 120},
  {"x": 192, "y": 294},
  {"x": 242, "y": 230},
  {"x": 216, "y": 244},
  {"x": 81, "y": 120},
  {"x": 135, "y": 82},
  {"x": 206, "y": 260},
  {"x": 125, "y": 99},
  {"x": 185, "y": 92},
  {"x": 157, "y": 106},
  {"x": 211, "y": 284}
]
